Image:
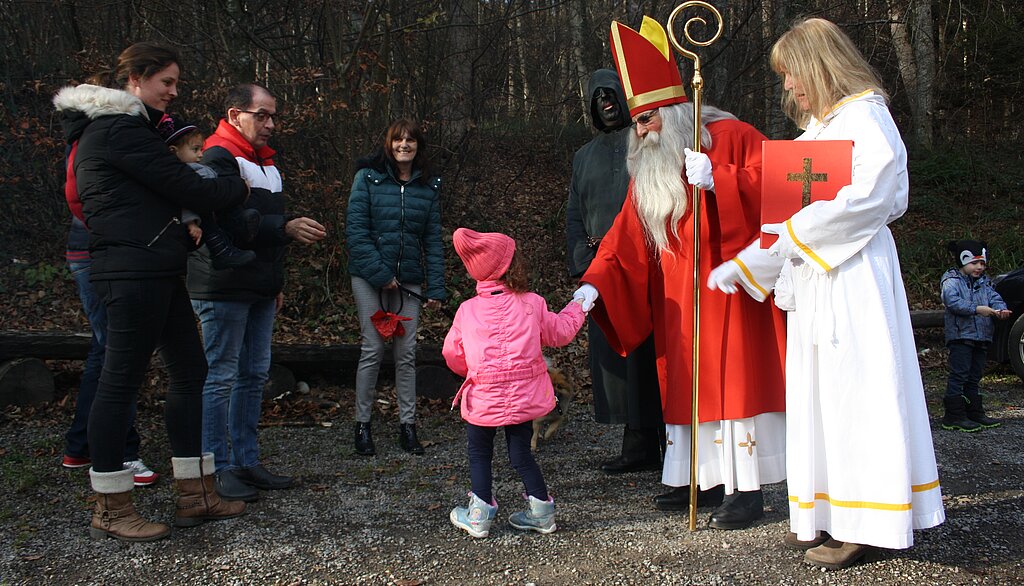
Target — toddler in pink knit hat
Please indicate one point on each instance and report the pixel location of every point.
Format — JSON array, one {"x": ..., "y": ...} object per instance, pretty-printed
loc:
[{"x": 495, "y": 343}]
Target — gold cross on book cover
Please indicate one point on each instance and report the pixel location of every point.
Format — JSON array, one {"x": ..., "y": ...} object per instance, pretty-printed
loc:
[{"x": 796, "y": 173}]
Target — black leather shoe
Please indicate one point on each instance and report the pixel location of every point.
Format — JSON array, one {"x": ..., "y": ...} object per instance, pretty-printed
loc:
[
  {"x": 407, "y": 439},
  {"x": 678, "y": 499},
  {"x": 739, "y": 510},
  {"x": 622, "y": 465},
  {"x": 364, "y": 439},
  {"x": 230, "y": 488},
  {"x": 263, "y": 479}
]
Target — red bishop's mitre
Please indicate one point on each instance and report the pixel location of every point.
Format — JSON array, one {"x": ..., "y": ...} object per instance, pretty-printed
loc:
[{"x": 646, "y": 66}]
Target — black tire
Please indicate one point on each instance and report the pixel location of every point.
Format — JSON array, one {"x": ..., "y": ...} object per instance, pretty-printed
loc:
[{"x": 1015, "y": 346}]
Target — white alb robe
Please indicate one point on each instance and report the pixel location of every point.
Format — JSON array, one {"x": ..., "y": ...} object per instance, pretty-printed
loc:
[
  {"x": 741, "y": 454},
  {"x": 860, "y": 461}
]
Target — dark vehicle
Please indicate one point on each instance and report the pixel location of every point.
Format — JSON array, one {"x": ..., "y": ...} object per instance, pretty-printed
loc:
[{"x": 1008, "y": 342}]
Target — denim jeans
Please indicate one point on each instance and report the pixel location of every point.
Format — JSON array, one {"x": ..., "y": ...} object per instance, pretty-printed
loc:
[
  {"x": 236, "y": 336},
  {"x": 76, "y": 442},
  {"x": 481, "y": 453},
  {"x": 966, "y": 365},
  {"x": 144, "y": 315}
]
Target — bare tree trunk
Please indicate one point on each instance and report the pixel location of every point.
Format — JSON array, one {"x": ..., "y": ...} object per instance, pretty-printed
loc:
[
  {"x": 582, "y": 73},
  {"x": 456, "y": 104},
  {"x": 524, "y": 84},
  {"x": 236, "y": 44},
  {"x": 915, "y": 53},
  {"x": 776, "y": 22},
  {"x": 924, "y": 54}
]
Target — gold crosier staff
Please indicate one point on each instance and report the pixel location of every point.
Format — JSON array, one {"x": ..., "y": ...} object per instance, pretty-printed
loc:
[{"x": 698, "y": 87}]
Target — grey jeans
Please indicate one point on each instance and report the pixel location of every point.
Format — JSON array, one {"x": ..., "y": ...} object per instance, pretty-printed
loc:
[{"x": 368, "y": 301}]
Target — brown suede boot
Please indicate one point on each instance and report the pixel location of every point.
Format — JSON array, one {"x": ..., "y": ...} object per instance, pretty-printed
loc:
[
  {"x": 198, "y": 500},
  {"x": 836, "y": 555},
  {"x": 793, "y": 542},
  {"x": 114, "y": 515}
]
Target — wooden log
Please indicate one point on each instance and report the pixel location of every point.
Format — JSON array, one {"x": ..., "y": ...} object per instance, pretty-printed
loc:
[
  {"x": 25, "y": 381},
  {"x": 74, "y": 346},
  {"x": 436, "y": 382},
  {"x": 299, "y": 357}
]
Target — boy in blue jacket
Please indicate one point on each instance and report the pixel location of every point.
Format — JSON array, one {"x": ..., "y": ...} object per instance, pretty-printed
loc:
[{"x": 971, "y": 302}]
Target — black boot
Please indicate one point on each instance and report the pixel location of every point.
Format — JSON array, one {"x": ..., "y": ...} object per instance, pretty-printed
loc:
[
  {"x": 739, "y": 510},
  {"x": 224, "y": 254},
  {"x": 407, "y": 439},
  {"x": 364, "y": 439},
  {"x": 678, "y": 499},
  {"x": 640, "y": 452},
  {"x": 956, "y": 415},
  {"x": 976, "y": 413}
]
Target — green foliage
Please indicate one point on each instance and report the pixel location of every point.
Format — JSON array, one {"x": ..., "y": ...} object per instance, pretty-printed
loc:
[
  {"x": 20, "y": 472},
  {"x": 43, "y": 274},
  {"x": 954, "y": 194}
]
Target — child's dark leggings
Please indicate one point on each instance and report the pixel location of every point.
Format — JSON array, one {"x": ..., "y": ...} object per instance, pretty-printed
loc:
[{"x": 481, "y": 452}]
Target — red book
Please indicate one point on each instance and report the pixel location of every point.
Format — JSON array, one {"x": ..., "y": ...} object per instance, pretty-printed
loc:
[{"x": 797, "y": 172}]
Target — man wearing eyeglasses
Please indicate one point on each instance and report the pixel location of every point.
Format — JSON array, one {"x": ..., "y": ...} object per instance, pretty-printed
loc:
[
  {"x": 236, "y": 306},
  {"x": 642, "y": 281}
]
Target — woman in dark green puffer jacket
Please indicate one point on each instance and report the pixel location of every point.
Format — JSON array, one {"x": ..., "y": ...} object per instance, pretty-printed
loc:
[{"x": 393, "y": 233}]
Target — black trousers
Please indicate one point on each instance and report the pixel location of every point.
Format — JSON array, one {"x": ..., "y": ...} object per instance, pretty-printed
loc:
[
  {"x": 481, "y": 453},
  {"x": 144, "y": 315}
]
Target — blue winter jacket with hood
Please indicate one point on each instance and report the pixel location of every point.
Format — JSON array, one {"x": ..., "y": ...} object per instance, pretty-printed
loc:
[{"x": 962, "y": 295}]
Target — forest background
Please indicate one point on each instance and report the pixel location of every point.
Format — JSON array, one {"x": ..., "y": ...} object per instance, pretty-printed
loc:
[{"x": 499, "y": 87}]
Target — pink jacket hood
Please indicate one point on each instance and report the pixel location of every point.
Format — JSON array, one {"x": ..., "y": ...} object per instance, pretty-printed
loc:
[{"x": 495, "y": 343}]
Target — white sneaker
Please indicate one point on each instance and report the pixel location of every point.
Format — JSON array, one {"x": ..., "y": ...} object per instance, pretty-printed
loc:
[{"x": 143, "y": 476}]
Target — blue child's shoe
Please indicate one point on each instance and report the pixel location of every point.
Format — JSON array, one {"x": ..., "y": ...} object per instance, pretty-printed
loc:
[
  {"x": 475, "y": 519},
  {"x": 539, "y": 516}
]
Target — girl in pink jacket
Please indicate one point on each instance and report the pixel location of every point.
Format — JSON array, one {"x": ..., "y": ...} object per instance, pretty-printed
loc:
[{"x": 495, "y": 342}]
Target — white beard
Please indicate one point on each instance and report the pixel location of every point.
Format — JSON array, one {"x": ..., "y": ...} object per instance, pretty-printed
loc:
[{"x": 655, "y": 163}]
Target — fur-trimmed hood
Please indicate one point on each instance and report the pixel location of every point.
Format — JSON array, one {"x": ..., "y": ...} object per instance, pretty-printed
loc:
[
  {"x": 95, "y": 101},
  {"x": 81, "y": 104}
]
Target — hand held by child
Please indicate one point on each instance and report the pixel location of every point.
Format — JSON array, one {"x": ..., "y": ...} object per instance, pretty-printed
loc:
[{"x": 586, "y": 295}]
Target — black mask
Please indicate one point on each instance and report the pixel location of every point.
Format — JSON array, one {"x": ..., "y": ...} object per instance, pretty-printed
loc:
[{"x": 607, "y": 107}]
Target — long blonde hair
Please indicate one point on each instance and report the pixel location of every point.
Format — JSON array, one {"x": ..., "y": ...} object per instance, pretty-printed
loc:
[{"x": 826, "y": 63}]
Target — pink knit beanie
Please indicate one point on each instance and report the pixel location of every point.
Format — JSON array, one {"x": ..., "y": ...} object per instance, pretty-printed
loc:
[{"x": 486, "y": 255}]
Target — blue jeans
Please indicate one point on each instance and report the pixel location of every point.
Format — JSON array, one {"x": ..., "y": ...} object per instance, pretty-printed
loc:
[
  {"x": 966, "y": 365},
  {"x": 236, "y": 337},
  {"x": 76, "y": 442},
  {"x": 481, "y": 452}
]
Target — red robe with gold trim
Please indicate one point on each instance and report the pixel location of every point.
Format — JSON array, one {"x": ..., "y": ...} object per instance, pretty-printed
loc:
[{"x": 742, "y": 353}]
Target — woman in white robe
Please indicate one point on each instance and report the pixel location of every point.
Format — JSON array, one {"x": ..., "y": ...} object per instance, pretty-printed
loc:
[{"x": 860, "y": 463}]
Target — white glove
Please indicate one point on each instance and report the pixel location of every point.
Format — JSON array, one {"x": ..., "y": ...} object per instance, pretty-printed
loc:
[
  {"x": 784, "y": 246},
  {"x": 588, "y": 294},
  {"x": 725, "y": 277},
  {"x": 698, "y": 170}
]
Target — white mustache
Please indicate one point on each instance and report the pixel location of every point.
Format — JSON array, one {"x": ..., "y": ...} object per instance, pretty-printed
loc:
[{"x": 651, "y": 141}]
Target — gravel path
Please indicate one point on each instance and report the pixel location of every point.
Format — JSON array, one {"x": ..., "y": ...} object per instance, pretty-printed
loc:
[{"x": 384, "y": 520}]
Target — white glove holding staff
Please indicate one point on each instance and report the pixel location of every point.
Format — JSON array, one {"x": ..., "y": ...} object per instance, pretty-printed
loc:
[
  {"x": 698, "y": 170},
  {"x": 588, "y": 294}
]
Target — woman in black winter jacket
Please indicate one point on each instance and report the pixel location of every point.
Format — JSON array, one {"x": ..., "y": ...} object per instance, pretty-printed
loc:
[{"x": 132, "y": 189}]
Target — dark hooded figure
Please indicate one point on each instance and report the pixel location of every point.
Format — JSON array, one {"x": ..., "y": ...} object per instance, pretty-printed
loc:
[{"x": 625, "y": 389}]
